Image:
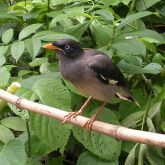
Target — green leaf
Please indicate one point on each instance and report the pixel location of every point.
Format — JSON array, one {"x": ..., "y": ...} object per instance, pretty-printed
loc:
[
  {"x": 4, "y": 77},
  {"x": 38, "y": 147},
  {"x": 52, "y": 93},
  {"x": 150, "y": 125},
  {"x": 133, "y": 120},
  {"x": 91, "y": 159},
  {"x": 33, "y": 46},
  {"x": 8, "y": 16},
  {"x": 28, "y": 30},
  {"x": 143, "y": 33},
  {"x": 127, "y": 146},
  {"x": 38, "y": 61},
  {"x": 2, "y": 60},
  {"x": 1, "y": 145},
  {"x": 49, "y": 132},
  {"x": 112, "y": 2},
  {"x": 23, "y": 93},
  {"x": 13, "y": 153},
  {"x": 129, "y": 46},
  {"x": 3, "y": 50},
  {"x": 49, "y": 67},
  {"x": 56, "y": 37},
  {"x": 155, "y": 109},
  {"x": 5, "y": 134},
  {"x": 33, "y": 162},
  {"x": 58, "y": 160},
  {"x": 155, "y": 155},
  {"x": 101, "y": 33},
  {"x": 126, "y": 107},
  {"x": 30, "y": 82},
  {"x": 7, "y": 36},
  {"x": 152, "y": 68},
  {"x": 142, "y": 153},
  {"x": 126, "y": 2},
  {"x": 145, "y": 4},
  {"x": 163, "y": 126},
  {"x": 131, "y": 156},
  {"x": 78, "y": 30},
  {"x": 23, "y": 73},
  {"x": 133, "y": 17},
  {"x": 101, "y": 145},
  {"x": 62, "y": 16},
  {"x": 131, "y": 65},
  {"x": 106, "y": 15},
  {"x": 74, "y": 9},
  {"x": 15, "y": 123},
  {"x": 17, "y": 49},
  {"x": 43, "y": 33}
]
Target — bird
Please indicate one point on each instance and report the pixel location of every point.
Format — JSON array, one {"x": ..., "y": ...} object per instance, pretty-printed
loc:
[{"x": 92, "y": 72}]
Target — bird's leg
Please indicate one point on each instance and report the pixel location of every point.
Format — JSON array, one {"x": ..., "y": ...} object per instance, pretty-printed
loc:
[
  {"x": 75, "y": 114},
  {"x": 88, "y": 124}
]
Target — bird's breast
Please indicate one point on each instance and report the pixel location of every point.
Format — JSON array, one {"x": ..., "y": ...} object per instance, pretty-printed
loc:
[
  {"x": 72, "y": 72},
  {"x": 86, "y": 81}
]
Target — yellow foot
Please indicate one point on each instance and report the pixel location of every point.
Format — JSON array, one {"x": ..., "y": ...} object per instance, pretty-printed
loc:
[{"x": 69, "y": 116}]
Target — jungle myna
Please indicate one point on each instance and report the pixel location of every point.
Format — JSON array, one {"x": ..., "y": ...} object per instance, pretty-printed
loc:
[{"x": 92, "y": 73}]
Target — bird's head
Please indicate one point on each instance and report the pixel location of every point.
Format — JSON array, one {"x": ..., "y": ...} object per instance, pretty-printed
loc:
[{"x": 67, "y": 47}]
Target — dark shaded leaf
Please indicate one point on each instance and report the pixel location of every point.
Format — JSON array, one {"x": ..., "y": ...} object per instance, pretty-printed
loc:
[{"x": 91, "y": 159}]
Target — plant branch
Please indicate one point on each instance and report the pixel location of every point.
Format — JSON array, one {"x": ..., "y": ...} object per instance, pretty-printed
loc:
[
  {"x": 146, "y": 112},
  {"x": 48, "y": 10},
  {"x": 116, "y": 131},
  {"x": 29, "y": 138}
]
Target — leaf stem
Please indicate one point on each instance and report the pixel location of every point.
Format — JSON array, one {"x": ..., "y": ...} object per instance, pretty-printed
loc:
[
  {"x": 8, "y": 2},
  {"x": 29, "y": 139},
  {"x": 148, "y": 82},
  {"x": 132, "y": 6},
  {"x": 113, "y": 36},
  {"x": 146, "y": 111},
  {"x": 47, "y": 18}
]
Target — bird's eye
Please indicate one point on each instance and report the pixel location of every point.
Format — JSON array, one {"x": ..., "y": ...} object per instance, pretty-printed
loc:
[{"x": 67, "y": 47}]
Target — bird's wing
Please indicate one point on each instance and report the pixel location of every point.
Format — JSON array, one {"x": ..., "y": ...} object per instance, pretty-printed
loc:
[{"x": 106, "y": 71}]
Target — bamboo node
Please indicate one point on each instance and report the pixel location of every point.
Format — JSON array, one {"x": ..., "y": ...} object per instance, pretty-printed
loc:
[
  {"x": 116, "y": 133},
  {"x": 18, "y": 103}
]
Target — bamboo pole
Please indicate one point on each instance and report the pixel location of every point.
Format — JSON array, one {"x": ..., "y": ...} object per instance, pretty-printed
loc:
[{"x": 116, "y": 131}]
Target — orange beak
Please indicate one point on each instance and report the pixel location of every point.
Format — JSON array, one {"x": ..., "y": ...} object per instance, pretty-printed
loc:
[{"x": 51, "y": 47}]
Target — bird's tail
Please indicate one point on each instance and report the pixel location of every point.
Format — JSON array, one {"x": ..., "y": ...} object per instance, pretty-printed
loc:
[
  {"x": 131, "y": 98},
  {"x": 126, "y": 95}
]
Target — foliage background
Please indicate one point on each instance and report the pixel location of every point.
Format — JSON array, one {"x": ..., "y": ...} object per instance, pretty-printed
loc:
[{"x": 131, "y": 32}]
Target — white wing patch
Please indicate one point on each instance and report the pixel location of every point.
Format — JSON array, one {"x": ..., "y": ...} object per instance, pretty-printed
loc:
[
  {"x": 110, "y": 81},
  {"x": 120, "y": 96},
  {"x": 103, "y": 77},
  {"x": 113, "y": 82}
]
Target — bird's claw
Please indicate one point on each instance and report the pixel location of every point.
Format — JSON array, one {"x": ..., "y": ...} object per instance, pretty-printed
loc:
[
  {"x": 69, "y": 116},
  {"x": 88, "y": 124}
]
